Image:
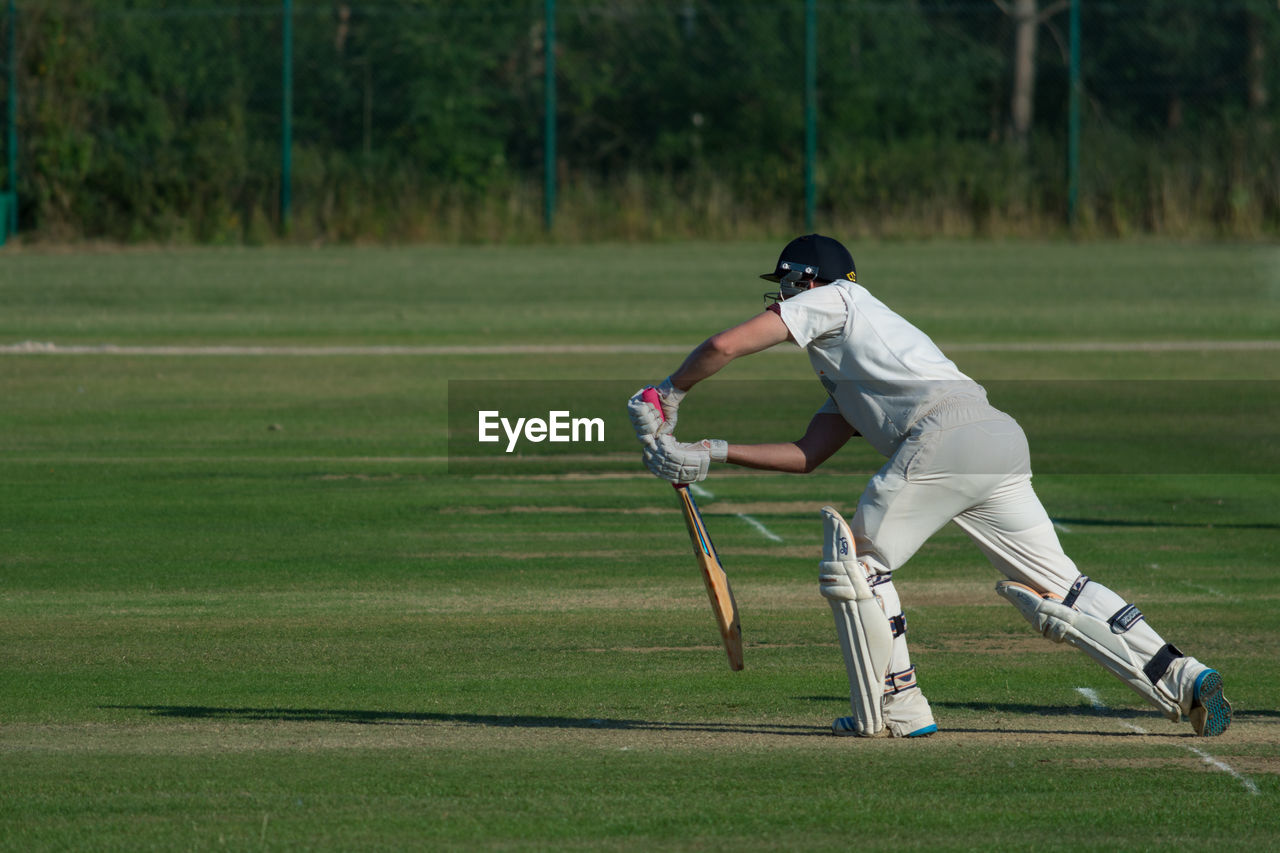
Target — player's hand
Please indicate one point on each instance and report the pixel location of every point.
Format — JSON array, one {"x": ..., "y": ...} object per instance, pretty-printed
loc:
[
  {"x": 647, "y": 420},
  {"x": 679, "y": 462}
]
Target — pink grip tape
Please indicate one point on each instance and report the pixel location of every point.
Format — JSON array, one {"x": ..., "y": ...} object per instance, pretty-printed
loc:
[{"x": 650, "y": 396}]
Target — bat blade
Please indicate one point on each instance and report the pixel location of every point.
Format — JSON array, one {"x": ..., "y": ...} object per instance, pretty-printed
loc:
[{"x": 717, "y": 582}]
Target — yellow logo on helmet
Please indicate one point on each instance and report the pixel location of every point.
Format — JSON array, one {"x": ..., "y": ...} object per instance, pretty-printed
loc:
[{"x": 852, "y": 276}]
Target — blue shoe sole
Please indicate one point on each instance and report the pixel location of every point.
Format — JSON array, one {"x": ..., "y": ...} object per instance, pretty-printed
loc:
[
  {"x": 845, "y": 730},
  {"x": 1208, "y": 695}
]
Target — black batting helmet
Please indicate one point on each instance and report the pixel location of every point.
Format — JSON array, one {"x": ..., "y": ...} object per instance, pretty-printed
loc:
[{"x": 817, "y": 258}]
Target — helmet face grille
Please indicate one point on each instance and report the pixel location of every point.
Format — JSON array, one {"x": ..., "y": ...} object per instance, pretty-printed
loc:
[
  {"x": 796, "y": 278},
  {"x": 789, "y": 290}
]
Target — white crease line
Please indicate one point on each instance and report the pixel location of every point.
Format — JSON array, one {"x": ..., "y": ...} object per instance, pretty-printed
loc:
[
  {"x": 1092, "y": 695},
  {"x": 708, "y": 495},
  {"x": 1060, "y": 527},
  {"x": 1204, "y": 588},
  {"x": 1216, "y": 763},
  {"x": 764, "y": 531},
  {"x": 1248, "y": 783},
  {"x": 1098, "y": 705}
]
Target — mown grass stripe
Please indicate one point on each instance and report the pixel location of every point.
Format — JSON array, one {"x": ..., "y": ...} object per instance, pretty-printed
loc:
[{"x": 50, "y": 348}]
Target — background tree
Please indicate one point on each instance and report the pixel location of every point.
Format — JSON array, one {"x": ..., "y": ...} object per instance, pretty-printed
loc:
[{"x": 1028, "y": 18}]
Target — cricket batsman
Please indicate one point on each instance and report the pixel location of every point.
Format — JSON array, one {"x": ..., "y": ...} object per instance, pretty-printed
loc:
[{"x": 951, "y": 456}]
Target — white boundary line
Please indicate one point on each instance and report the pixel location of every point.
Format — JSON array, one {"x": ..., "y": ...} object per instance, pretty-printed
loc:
[
  {"x": 46, "y": 348},
  {"x": 50, "y": 348},
  {"x": 1112, "y": 346},
  {"x": 1216, "y": 763}
]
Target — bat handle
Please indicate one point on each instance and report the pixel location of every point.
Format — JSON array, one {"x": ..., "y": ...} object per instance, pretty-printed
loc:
[{"x": 650, "y": 396}]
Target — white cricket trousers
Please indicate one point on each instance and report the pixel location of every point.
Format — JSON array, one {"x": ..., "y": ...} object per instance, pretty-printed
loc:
[{"x": 965, "y": 462}]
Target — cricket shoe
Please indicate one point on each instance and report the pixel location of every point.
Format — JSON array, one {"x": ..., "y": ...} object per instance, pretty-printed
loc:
[
  {"x": 848, "y": 727},
  {"x": 1210, "y": 711},
  {"x": 845, "y": 727}
]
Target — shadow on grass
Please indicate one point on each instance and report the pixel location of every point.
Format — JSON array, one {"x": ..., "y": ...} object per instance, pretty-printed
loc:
[
  {"x": 335, "y": 715},
  {"x": 1196, "y": 525},
  {"x": 1049, "y": 710},
  {"x": 1028, "y": 711},
  {"x": 401, "y": 718},
  {"x": 1023, "y": 708},
  {"x": 1238, "y": 714}
]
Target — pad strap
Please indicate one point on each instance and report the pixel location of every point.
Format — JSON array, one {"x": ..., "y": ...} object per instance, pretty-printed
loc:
[
  {"x": 1074, "y": 592},
  {"x": 1160, "y": 662},
  {"x": 1124, "y": 619},
  {"x": 897, "y": 624},
  {"x": 896, "y": 682}
]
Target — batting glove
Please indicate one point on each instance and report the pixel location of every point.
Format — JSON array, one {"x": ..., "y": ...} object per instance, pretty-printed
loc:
[
  {"x": 647, "y": 420},
  {"x": 681, "y": 463}
]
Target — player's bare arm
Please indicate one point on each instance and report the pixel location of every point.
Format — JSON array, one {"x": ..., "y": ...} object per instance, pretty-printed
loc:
[
  {"x": 759, "y": 333},
  {"x": 826, "y": 434},
  {"x": 709, "y": 357}
]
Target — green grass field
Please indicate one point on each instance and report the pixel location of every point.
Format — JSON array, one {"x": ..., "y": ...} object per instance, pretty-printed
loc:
[{"x": 247, "y": 599}]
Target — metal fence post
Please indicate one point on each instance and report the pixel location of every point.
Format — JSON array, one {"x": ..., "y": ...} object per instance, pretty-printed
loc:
[
  {"x": 810, "y": 111},
  {"x": 549, "y": 119},
  {"x": 1073, "y": 119},
  {"x": 286, "y": 116},
  {"x": 10, "y": 207}
]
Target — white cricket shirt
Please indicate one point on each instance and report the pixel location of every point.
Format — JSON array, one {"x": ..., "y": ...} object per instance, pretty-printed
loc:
[{"x": 882, "y": 373}]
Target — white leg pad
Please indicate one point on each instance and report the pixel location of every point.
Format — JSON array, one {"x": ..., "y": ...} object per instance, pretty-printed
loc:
[
  {"x": 1102, "y": 639},
  {"x": 866, "y": 639}
]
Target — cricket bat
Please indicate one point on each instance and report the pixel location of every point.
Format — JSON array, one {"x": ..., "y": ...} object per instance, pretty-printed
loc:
[{"x": 704, "y": 551}]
